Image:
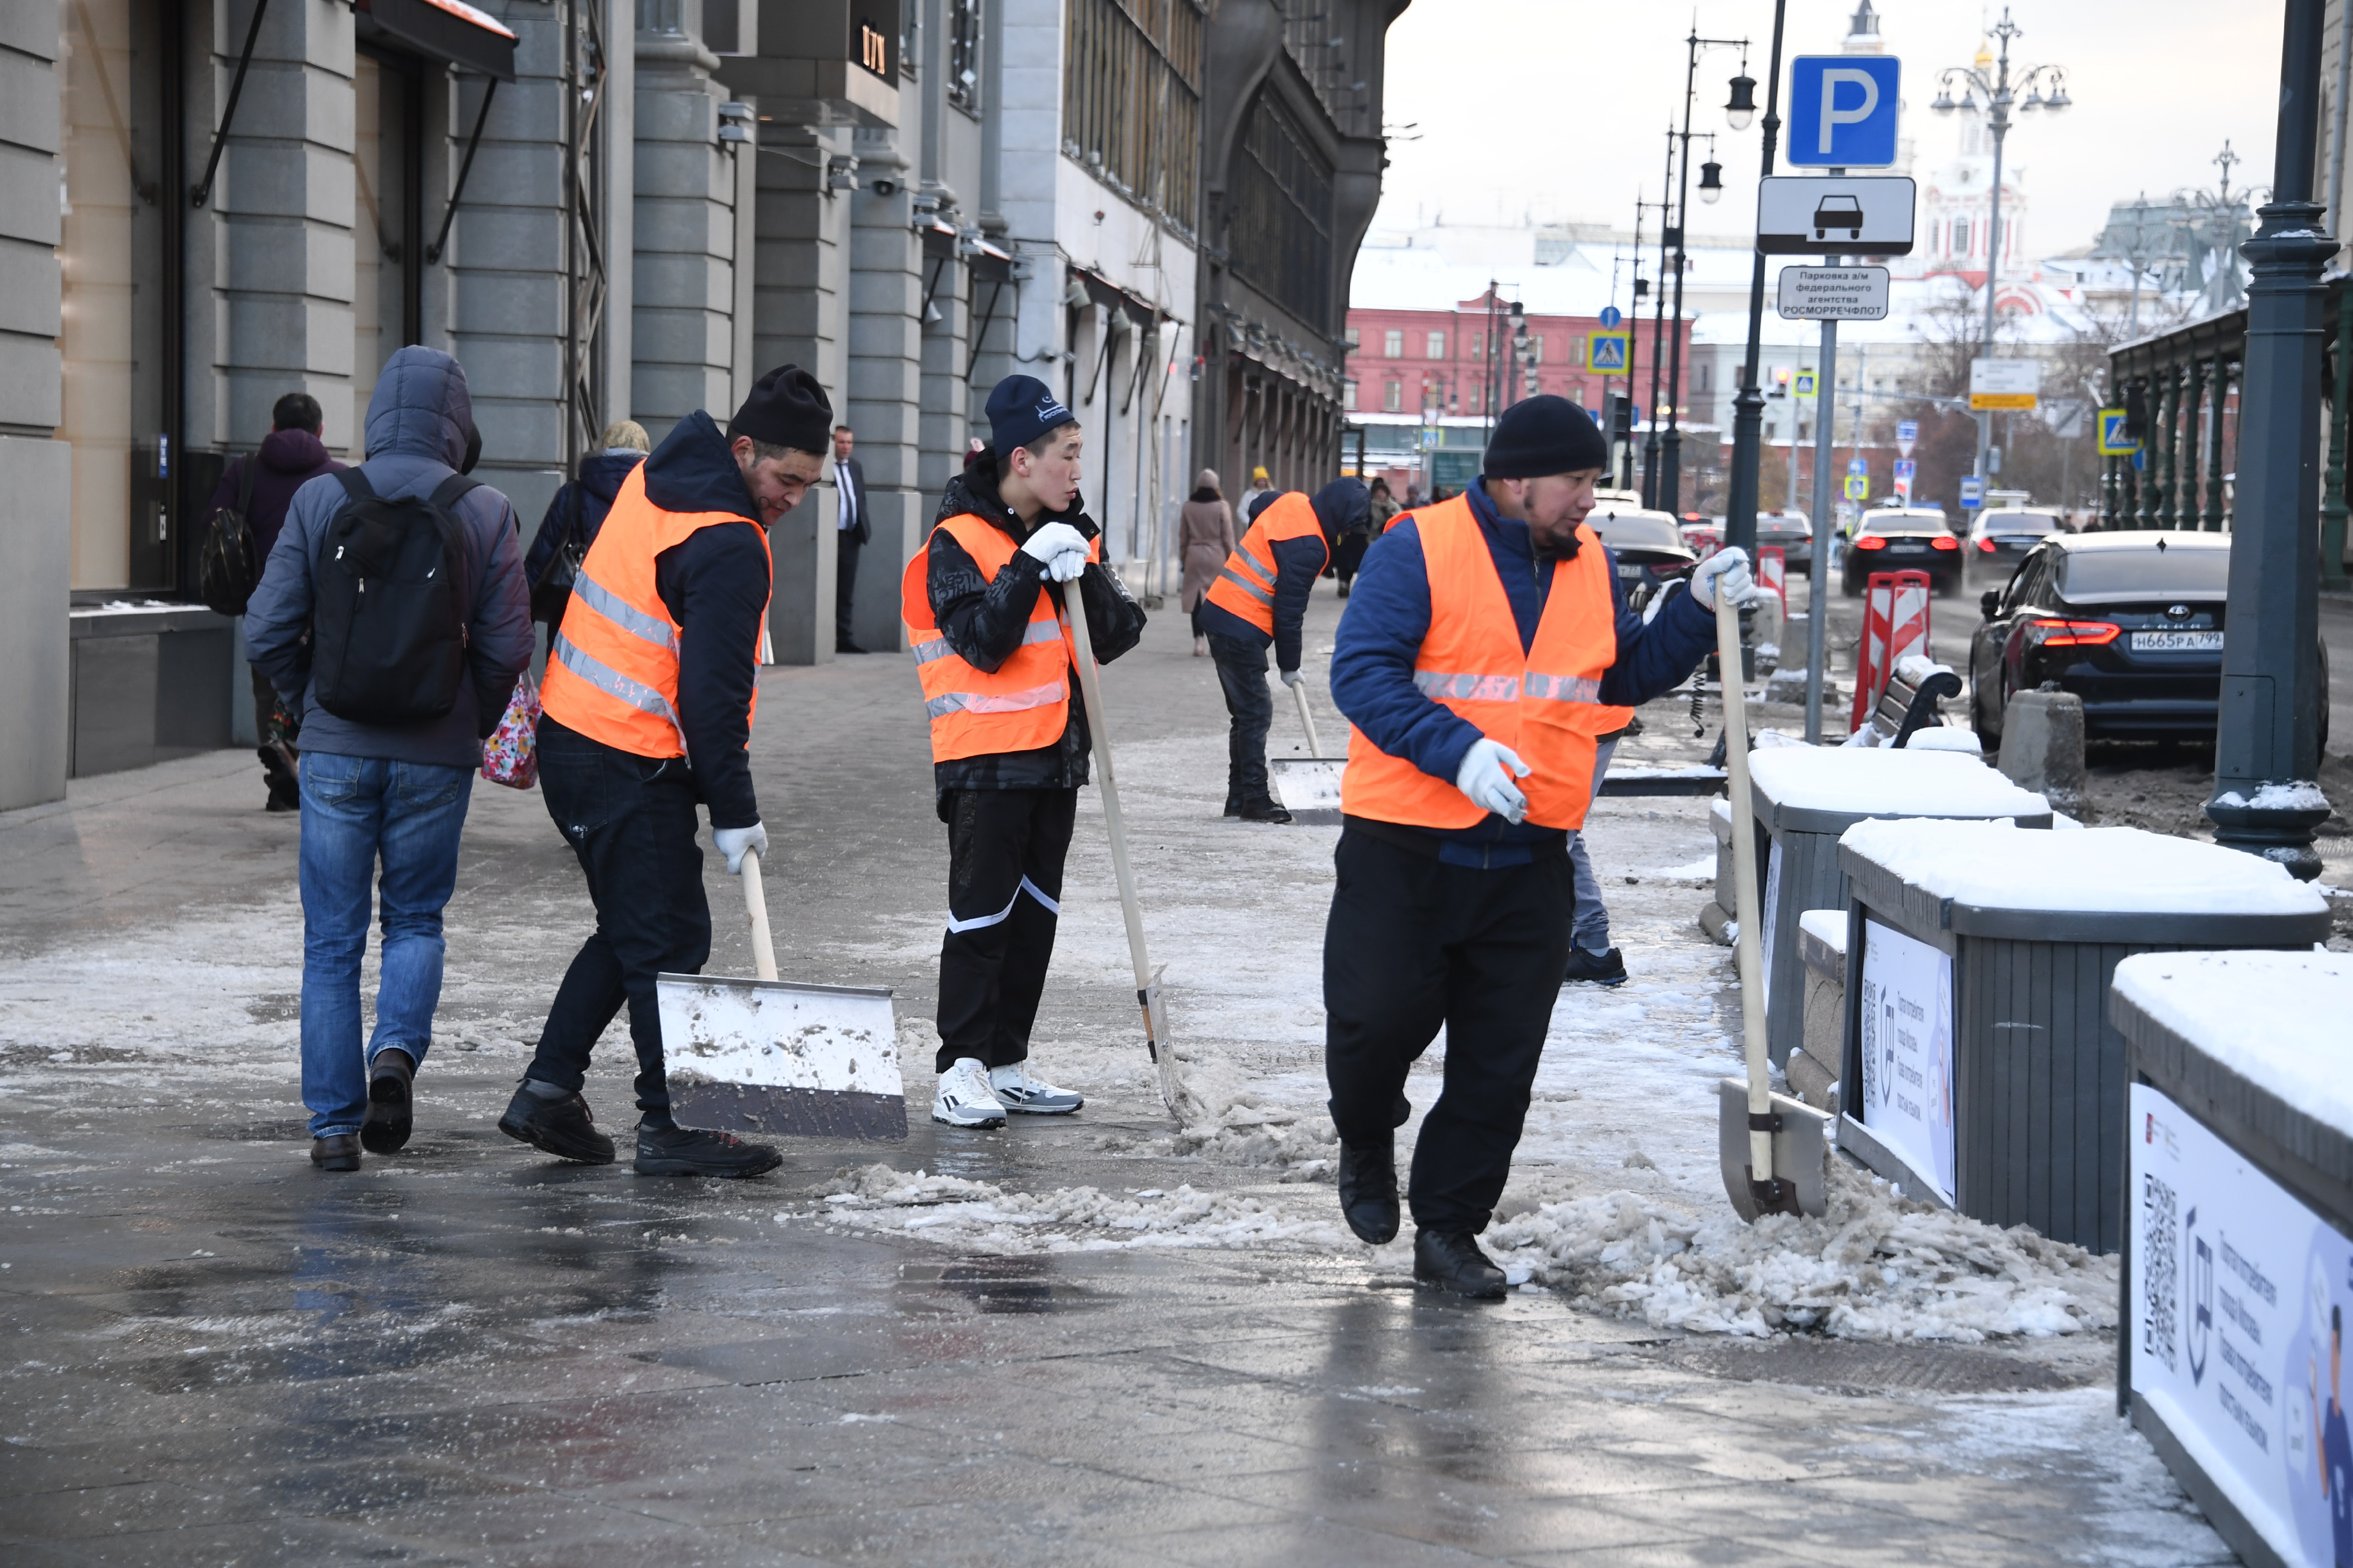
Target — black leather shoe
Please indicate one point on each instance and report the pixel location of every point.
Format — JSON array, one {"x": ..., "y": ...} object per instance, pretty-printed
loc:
[
  {"x": 1598, "y": 968},
  {"x": 1233, "y": 805},
  {"x": 384, "y": 1129},
  {"x": 1369, "y": 1193},
  {"x": 1450, "y": 1260},
  {"x": 562, "y": 1128},
  {"x": 340, "y": 1153},
  {"x": 846, "y": 645},
  {"x": 693, "y": 1152},
  {"x": 1263, "y": 811}
]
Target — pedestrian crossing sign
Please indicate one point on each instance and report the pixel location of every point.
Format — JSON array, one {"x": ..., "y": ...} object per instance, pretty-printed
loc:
[
  {"x": 2113, "y": 442},
  {"x": 1858, "y": 487},
  {"x": 1608, "y": 352},
  {"x": 1804, "y": 386}
]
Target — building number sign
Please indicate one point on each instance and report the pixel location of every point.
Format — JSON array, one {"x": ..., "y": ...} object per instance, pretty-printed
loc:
[{"x": 874, "y": 48}]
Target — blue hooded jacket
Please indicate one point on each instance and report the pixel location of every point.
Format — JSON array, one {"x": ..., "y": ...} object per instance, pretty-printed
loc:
[
  {"x": 416, "y": 429},
  {"x": 601, "y": 474}
]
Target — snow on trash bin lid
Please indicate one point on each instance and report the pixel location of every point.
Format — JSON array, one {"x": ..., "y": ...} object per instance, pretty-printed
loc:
[
  {"x": 2277, "y": 1019},
  {"x": 2119, "y": 872},
  {"x": 1810, "y": 787}
]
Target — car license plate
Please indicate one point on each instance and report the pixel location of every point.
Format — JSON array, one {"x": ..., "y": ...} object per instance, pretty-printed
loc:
[
  {"x": 1907, "y": 546},
  {"x": 2177, "y": 642},
  {"x": 1626, "y": 570}
]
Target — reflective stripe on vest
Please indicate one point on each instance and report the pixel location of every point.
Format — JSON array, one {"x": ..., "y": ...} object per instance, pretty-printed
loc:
[
  {"x": 1244, "y": 585},
  {"x": 1021, "y": 705},
  {"x": 613, "y": 671},
  {"x": 1544, "y": 704}
]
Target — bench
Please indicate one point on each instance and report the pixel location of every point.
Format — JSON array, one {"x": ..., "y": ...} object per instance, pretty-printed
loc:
[{"x": 1909, "y": 703}]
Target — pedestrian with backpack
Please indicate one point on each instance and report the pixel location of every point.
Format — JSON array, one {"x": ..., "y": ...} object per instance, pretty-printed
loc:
[
  {"x": 393, "y": 617},
  {"x": 575, "y": 516},
  {"x": 248, "y": 508}
]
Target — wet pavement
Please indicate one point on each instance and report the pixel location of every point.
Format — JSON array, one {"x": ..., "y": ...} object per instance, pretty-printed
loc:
[{"x": 469, "y": 1354}]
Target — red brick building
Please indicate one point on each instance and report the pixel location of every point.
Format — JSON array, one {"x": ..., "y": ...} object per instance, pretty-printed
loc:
[{"x": 1398, "y": 361}]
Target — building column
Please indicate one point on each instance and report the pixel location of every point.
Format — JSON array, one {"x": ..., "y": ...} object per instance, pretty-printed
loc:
[
  {"x": 681, "y": 319},
  {"x": 36, "y": 472},
  {"x": 885, "y": 381}
]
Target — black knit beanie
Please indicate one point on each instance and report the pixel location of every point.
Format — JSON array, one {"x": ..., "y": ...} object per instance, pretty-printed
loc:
[
  {"x": 1544, "y": 435},
  {"x": 786, "y": 408}
]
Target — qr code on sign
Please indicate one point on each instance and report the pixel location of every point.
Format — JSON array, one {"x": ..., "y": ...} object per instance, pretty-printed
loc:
[{"x": 2160, "y": 1270}]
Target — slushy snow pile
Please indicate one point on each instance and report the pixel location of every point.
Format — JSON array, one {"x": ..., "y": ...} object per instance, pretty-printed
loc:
[
  {"x": 2277, "y": 1019},
  {"x": 1874, "y": 1267},
  {"x": 2120, "y": 869},
  {"x": 967, "y": 1213}
]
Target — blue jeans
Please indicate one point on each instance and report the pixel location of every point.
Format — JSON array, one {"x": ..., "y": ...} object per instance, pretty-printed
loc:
[{"x": 354, "y": 811}]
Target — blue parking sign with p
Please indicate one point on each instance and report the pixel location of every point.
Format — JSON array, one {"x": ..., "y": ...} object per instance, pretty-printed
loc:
[{"x": 1842, "y": 110}]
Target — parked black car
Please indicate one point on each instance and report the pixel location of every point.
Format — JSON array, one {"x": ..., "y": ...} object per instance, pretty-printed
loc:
[
  {"x": 2131, "y": 623},
  {"x": 1902, "y": 539},
  {"x": 1648, "y": 545},
  {"x": 1790, "y": 533}
]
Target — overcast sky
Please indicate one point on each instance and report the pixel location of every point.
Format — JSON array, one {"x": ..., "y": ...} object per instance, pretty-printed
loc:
[{"x": 1558, "y": 107}]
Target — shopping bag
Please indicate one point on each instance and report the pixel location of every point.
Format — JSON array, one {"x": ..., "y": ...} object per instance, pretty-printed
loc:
[{"x": 510, "y": 756}]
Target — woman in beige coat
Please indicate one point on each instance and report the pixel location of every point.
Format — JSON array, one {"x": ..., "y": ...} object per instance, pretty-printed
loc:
[{"x": 1205, "y": 537}]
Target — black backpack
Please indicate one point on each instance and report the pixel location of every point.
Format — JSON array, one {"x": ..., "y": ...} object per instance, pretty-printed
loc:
[
  {"x": 226, "y": 572},
  {"x": 388, "y": 614}
]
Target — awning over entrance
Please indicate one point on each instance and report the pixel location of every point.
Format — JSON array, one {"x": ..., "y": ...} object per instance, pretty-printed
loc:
[{"x": 447, "y": 30}]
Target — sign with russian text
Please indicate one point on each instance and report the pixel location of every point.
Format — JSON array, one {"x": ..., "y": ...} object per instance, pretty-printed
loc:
[
  {"x": 1833, "y": 294},
  {"x": 2004, "y": 384}
]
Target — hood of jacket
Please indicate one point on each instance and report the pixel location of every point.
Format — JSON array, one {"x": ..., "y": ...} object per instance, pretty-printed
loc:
[
  {"x": 693, "y": 470},
  {"x": 1342, "y": 506},
  {"x": 975, "y": 492},
  {"x": 421, "y": 407},
  {"x": 602, "y": 474},
  {"x": 294, "y": 452}
]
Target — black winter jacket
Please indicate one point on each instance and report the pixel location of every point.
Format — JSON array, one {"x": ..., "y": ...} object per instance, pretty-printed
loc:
[{"x": 984, "y": 621}]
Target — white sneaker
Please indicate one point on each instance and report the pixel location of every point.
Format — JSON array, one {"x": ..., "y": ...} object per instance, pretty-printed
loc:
[
  {"x": 1017, "y": 1090},
  {"x": 964, "y": 1099}
]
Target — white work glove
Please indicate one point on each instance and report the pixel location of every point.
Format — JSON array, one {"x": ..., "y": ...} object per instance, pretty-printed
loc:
[
  {"x": 1062, "y": 548},
  {"x": 732, "y": 841},
  {"x": 1484, "y": 778},
  {"x": 1726, "y": 572},
  {"x": 1293, "y": 678}
]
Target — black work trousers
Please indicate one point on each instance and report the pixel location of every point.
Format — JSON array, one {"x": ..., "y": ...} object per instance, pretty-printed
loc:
[
  {"x": 1241, "y": 672},
  {"x": 1006, "y": 849},
  {"x": 631, "y": 821},
  {"x": 1412, "y": 944}
]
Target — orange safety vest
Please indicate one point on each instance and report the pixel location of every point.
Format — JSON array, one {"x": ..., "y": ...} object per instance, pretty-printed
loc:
[
  {"x": 1544, "y": 704},
  {"x": 1245, "y": 584},
  {"x": 612, "y": 674},
  {"x": 1024, "y": 703}
]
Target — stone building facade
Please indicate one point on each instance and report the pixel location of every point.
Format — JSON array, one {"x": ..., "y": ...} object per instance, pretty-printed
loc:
[{"x": 635, "y": 207}]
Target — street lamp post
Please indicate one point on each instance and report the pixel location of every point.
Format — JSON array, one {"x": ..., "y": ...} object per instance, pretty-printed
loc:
[
  {"x": 2267, "y": 800},
  {"x": 1711, "y": 185},
  {"x": 1748, "y": 403},
  {"x": 2000, "y": 94},
  {"x": 1669, "y": 237}
]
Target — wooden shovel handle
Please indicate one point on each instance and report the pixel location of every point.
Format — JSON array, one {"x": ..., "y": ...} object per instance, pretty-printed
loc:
[{"x": 756, "y": 904}]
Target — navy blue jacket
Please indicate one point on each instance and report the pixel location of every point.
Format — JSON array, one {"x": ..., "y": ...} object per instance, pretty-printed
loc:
[
  {"x": 1339, "y": 506},
  {"x": 600, "y": 480},
  {"x": 715, "y": 586},
  {"x": 1387, "y": 616}
]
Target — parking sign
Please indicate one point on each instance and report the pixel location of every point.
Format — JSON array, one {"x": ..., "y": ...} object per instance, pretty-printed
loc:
[{"x": 1842, "y": 110}]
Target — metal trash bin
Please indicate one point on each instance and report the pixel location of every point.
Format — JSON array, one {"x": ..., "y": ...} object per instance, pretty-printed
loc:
[
  {"x": 1982, "y": 1069},
  {"x": 1804, "y": 797},
  {"x": 2238, "y": 1273}
]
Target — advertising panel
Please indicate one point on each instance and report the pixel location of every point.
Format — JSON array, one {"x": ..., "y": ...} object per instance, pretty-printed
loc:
[
  {"x": 2239, "y": 1295},
  {"x": 1906, "y": 1019}
]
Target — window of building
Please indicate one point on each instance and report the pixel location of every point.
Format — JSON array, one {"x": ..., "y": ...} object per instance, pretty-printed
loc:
[
  {"x": 964, "y": 53},
  {"x": 1355, "y": 339},
  {"x": 1437, "y": 345},
  {"x": 1536, "y": 348},
  {"x": 1281, "y": 232},
  {"x": 1478, "y": 345},
  {"x": 1393, "y": 398},
  {"x": 1132, "y": 100},
  {"x": 1393, "y": 344},
  {"x": 1703, "y": 378},
  {"x": 1961, "y": 236},
  {"x": 1348, "y": 395},
  {"x": 1576, "y": 393}
]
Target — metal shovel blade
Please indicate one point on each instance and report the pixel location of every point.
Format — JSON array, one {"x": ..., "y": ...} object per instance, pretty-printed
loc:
[
  {"x": 778, "y": 1056},
  {"x": 1800, "y": 1148},
  {"x": 1308, "y": 787}
]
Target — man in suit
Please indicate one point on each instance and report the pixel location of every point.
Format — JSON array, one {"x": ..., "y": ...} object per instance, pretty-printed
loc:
[{"x": 849, "y": 520}]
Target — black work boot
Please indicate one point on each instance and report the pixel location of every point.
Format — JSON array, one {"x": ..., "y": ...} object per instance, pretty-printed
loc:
[
  {"x": 1606, "y": 968},
  {"x": 384, "y": 1129},
  {"x": 556, "y": 1123},
  {"x": 1264, "y": 809},
  {"x": 693, "y": 1152},
  {"x": 339, "y": 1152},
  {"x": 1450, "y": 1260},
  {"x": 1368, "y": 1190}
]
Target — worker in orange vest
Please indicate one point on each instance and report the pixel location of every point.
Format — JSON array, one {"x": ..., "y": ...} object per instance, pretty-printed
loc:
[
  {"x": 1258, "y": 600},
  {"x": 648, "y": 700},
  {"x": 1484, "y": 651},
  {"x": 983, "y": 603}
]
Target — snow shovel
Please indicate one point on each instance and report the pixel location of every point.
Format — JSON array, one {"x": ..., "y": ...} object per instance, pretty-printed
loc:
[
  {"x": 1147, "y": 979},
  {"x": 1771, "y": 1146},
  {"x": 1308, "y": 786},
  {"x": 780, "y": 1056}
]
